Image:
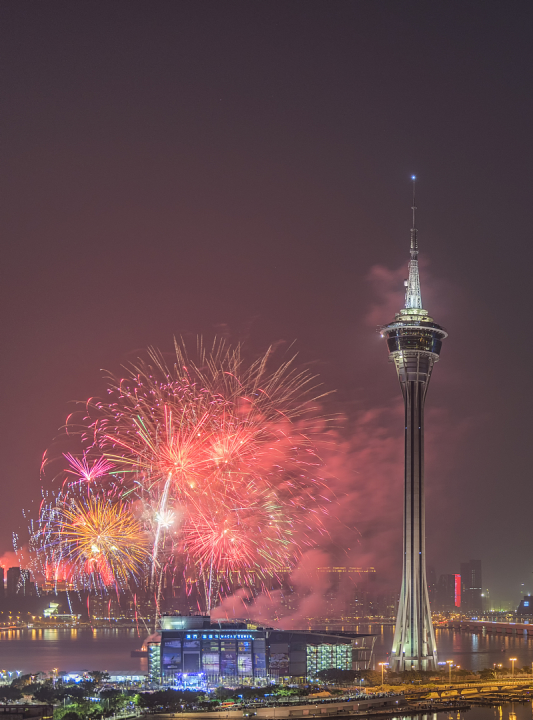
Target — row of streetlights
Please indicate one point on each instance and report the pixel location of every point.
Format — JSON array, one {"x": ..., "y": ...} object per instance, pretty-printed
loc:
[
  {"x": 449, "y": 663},
  {"x": 385, "y": 664},
  {"x": 513, "y": 660}
]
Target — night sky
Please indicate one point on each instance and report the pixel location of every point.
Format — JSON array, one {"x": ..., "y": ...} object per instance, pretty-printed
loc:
[{"x": 242, "y": 169}]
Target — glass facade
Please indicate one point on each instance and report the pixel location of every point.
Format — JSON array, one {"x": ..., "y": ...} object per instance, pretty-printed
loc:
[
  {"x": 408, "y": 339},
  {"x": 325, "y": 656},
  {"x": 154, "y": 662},
  {"x": 229, "y": 658},
  {"x": 233, "y": 654}
]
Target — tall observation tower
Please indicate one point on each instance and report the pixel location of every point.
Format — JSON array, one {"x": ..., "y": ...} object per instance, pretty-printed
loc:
[{"x": 414, "y": 343}]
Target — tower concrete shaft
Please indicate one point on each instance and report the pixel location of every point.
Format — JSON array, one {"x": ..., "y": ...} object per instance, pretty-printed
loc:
[{"x": 414, "y": 342}]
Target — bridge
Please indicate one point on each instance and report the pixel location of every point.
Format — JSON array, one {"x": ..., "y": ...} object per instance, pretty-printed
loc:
[
  {"x": 479, "y": 688},
  {"x": 504, "y": 628}
]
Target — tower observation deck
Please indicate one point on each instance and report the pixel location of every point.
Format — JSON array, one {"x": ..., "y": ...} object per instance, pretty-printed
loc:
[{"x": 414, "y": 342}]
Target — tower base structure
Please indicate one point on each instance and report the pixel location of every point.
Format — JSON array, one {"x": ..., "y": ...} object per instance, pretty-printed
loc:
[{"x": 414, "y": 345}]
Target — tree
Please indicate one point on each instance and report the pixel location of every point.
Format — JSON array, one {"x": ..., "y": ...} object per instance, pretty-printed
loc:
[
  {"x": 31, "y": 688},
  {"x": 98, "y": 676},
  {"x": 21, "y": 681},
  {"x": 114, "y": 699},
  {"x": 9, "y": 694},
  {"x": 335, "y": 675},
  {"x": 170, "y": 700},
  {"x": 223, "y": 694},
  {"x": 371, "y": 677},
  {"x": 409, "y": 676},
  {"x": 45, "y": 694}
]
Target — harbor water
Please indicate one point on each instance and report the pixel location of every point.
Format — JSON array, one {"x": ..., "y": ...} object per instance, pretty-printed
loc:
[{"x": 33, "y": 650}]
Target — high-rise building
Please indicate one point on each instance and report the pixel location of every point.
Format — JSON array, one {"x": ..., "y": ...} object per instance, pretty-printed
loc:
[
  {"x": 449, "y": 593},
  {"x": 13, "y": 580},
  {"x": 472, "y": 587},
  {"x": 26, "y": 586},
  {"x": 2, "y": 587},
  {"x": 414, "y": 343}
]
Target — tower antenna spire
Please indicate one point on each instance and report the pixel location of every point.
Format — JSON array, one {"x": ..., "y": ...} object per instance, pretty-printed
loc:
[
  {"x": 414, "y": 239},
  {"x": 413, "y": 297}
]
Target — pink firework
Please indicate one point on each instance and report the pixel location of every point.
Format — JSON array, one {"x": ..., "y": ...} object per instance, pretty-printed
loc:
[{"x": 229, "y": 449}]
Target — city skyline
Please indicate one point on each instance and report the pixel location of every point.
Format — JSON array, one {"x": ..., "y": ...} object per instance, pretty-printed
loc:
[{"x": 242, "y": 172}]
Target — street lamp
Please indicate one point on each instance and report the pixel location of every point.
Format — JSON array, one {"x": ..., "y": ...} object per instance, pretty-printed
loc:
[
  {"x": 449, "y": 663},
  {"x": 513, "y": 660},
  {"x": 382, "y": 670}
]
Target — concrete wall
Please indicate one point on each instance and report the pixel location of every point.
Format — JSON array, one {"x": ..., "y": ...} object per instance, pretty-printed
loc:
[{"x": 317, "y": 709}]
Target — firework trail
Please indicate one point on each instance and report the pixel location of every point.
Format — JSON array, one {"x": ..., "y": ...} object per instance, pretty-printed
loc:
[{"x": 218, "y": 457}]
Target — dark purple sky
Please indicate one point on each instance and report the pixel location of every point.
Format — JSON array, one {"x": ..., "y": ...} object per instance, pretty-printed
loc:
[{"x": 197, "y": 167}]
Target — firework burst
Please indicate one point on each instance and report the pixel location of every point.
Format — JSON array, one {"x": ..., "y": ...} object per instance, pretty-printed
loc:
[
  {"x": 219, "y": 459},
  {"x": 91, "y": 543},
  {"x": 225, "y": 445}
]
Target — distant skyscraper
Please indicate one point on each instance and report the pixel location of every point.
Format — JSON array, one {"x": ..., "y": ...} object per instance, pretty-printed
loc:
[
  {"x": 13, "y": 579},
  {"x": 472, "y": 586},
  {"x": 27, "y": 587},
  {"x": 414, "y": 342},
  {"x": 449, "y": 593},
  {"x": 2, "y": 587}
]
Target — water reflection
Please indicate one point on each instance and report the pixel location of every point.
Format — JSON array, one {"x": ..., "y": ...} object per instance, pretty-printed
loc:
[
  {"x": 511, "y": 711},
  {"x": 72, "y": 649},
  {"x": 472, "y": 651}
]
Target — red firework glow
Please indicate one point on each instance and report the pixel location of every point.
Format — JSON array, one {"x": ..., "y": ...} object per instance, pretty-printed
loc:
[{"x": 217, "y": 457}]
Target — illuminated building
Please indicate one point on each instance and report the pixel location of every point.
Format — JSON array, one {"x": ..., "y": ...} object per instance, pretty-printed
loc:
[
  {"x": 414, "y": 343},
  {"x": 449, "y": 593},
  {"x": 195, "y": 652},
  {"x": 322, "y": 656},
  {"x": 525, "y": 608},
  {"x": 154, "y": 662},
  {"x": 52, "y": 612},
  {"x": 472, "y": 601}
]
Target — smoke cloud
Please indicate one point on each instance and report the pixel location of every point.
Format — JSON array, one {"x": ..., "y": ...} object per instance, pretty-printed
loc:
[{"x": 364, "y": 470}]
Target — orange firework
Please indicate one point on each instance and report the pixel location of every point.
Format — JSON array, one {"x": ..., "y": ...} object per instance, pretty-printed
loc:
[{"x": 98, "y": 542}]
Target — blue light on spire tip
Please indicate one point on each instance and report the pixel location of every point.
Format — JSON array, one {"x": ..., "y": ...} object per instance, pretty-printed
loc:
[{"x": 413, "y": 177}]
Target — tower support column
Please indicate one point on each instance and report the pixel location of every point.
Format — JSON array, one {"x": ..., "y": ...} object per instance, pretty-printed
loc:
[
  {"x": 414, "y": 341},
  {"x": 414, "y": 644}
]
